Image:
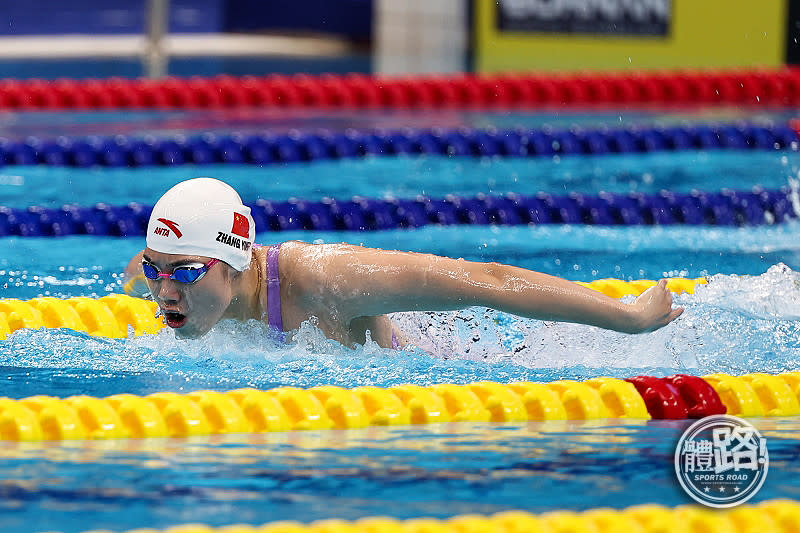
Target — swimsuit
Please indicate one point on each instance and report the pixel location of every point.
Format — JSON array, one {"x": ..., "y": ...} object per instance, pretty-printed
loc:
[
  {"x": 274, "y": 318},
  {"x": 274, "y": 288}
]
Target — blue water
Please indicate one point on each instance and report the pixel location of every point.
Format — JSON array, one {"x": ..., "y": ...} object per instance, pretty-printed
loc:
[
  {"x": 432, "y": 471},
  {"x": 744, "y": 320},
  {"x": 407, "y": 177},
  {"x": 47, "y": 124}
]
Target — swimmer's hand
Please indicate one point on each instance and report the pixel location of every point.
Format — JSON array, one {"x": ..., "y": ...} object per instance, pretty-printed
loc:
[
  {"x": 137, "y": 287},
  {"x": 653, "y": 309},
  {"x": 134, "y": 283}
]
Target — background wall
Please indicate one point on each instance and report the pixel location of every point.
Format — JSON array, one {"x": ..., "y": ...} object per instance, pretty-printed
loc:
[
  {"x": 420, "y": 36},
  {"x": 106, "y": 17},
  {"x": 348, "y": 18},
  {"x": 103, "y": 24},
  {"x": 396, "y": 37},
  {"x": 618, "y": 34}
]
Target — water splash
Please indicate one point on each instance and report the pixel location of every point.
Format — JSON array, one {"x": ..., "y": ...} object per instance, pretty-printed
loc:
[
  {"x": 772, "y": 295},
  {"x": 734, "y": 324}
]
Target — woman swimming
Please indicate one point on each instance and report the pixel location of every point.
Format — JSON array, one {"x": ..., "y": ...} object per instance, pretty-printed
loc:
[{"x": 201, "y": 266}]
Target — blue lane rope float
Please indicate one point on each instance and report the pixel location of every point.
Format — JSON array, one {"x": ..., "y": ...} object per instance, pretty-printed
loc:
[
  {"x": 208, "y": 148},
  {"x": 725, "y": 208}
]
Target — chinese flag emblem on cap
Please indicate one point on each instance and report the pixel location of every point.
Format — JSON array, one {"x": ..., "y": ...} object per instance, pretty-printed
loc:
[{"x": 241, "y": 226}]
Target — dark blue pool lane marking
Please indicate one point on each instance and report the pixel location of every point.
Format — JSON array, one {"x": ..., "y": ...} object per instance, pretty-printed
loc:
[
  {"x": 122, "y": 151},
  {"x": 726, "y": 208}
]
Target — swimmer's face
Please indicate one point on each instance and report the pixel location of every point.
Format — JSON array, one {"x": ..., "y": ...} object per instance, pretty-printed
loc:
[{"x": 190, "y": 309}]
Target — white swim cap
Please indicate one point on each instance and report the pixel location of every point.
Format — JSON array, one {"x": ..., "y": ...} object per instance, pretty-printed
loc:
[{"x": 203, "y": 216}]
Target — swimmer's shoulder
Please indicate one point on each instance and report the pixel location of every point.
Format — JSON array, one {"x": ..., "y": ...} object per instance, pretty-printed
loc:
[
  {"x": 299, "y": 251},
  {"x": 308, "y": 266},
  {"x": 296, "y": 263}
]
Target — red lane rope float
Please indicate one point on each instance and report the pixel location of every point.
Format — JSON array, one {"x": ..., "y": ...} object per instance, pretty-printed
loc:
[{"x": 760, "y": 87}]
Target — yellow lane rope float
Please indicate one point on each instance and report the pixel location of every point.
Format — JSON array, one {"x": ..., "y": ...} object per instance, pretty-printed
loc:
[
  {"x": 616, "y": 288},
  {"x": 109, "y": 316},
  {"x": 771, "y": 516},
  {"x": 168, "y": 414},
  {"x": 113, "y": 315}
]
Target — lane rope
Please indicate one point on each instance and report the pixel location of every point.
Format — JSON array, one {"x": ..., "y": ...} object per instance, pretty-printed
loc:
[
  {"x": 725, "y": 208},
  {"x": 328, "y": 407},
  {"x": 264, "y": 149},
  {"x": 242, "y": 411},
  {"x": 770, "y": 516},
  {"x": 770, "y": 88}
]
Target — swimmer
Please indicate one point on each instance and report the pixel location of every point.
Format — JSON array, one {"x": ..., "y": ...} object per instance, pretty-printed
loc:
[{"x": 201, "y": 266}]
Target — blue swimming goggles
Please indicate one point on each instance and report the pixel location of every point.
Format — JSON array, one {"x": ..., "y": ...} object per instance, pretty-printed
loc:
[{"x": 182, "y": 274}]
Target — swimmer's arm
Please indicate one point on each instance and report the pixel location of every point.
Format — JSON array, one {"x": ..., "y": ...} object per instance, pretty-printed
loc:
[
  {"x": 376, "y": 282},
  {"x": 134, "y": 283}
]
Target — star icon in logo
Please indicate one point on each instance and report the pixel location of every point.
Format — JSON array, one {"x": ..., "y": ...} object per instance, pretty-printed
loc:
[
  {"x": 707, "y": 489},
  {"x": 722, "y": 489}
]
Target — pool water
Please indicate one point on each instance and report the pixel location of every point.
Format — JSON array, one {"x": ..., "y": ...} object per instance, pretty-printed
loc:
[
  {"x": 140, "y": 122},
  {"x": 744, "y": 320},
  {"x": 432, "y": 471},
  {"x": 407, "y": 177},
  {"x": 726, "y": 325}
]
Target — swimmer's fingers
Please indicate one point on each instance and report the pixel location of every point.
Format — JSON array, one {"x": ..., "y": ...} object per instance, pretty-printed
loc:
[
  {"x": 654, "y": 308},
  {"x": 658, "y": 293},
  {"x": 673, "y": 314}
]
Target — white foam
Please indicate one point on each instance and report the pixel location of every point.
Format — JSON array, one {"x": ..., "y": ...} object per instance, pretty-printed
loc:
[
  {"x": 772, "y": 295},
  {"x": 737, "y": 323}
]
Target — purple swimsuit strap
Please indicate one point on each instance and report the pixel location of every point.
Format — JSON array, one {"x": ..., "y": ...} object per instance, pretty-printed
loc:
[
  {"x": 274, "y": 288},
  {"x": 274, "y": 292}
]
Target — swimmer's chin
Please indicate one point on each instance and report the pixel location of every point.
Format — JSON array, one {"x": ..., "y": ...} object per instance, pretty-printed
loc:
[
  {"x": 188, "y": 333},
  {"x": 185, "y": 335}
]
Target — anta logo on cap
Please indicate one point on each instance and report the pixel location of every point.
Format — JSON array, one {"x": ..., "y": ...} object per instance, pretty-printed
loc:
[
  {"x": 241, "y": 226},
  {"x": 164, "y": 232}
]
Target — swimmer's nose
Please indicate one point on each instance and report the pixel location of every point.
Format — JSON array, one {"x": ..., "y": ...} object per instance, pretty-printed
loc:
[{"x": 168, "y": 291}]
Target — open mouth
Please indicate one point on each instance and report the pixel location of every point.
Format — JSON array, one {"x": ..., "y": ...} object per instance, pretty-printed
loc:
[{"x": 174, "y": 320}]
